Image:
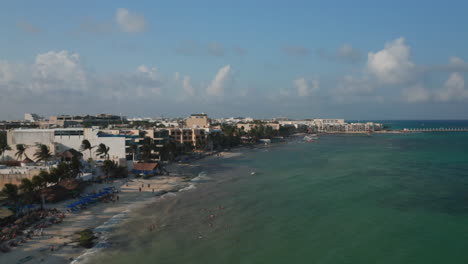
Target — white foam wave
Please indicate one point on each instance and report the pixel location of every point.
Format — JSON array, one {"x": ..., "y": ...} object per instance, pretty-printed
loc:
[{"x": 190, "y": 187}]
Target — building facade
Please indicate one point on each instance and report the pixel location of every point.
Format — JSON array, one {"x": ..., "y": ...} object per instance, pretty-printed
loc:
[
  {"x": 59, "y": 140},
  {"x": 197, "y": 121}
]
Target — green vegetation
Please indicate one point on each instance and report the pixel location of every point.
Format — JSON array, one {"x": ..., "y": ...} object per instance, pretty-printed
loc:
[
  {"x": 111, "y": 169},
  {"x": 86, "y": 145},
  {"x": 3, "y": 144},
  {"x": 147, "y": 148},
  {"x": 86, "y": 238},
  {"x": 21, "y": 151},
  {"x": 43, "y": 153},
  {"x": 3, "y": 138},
  {"x": 103, "y": 151},
  {"x": 232, "y": 136}
]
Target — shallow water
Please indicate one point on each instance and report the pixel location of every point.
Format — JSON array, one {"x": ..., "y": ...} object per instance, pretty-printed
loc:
[{"x": 345, "y": 199}]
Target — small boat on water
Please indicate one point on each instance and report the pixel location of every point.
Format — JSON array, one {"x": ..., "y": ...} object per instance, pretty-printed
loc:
[{"x": 310, "y": 138}]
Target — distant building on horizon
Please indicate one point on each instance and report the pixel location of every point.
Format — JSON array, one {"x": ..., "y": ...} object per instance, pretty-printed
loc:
[{"x": 197, "y": 121}]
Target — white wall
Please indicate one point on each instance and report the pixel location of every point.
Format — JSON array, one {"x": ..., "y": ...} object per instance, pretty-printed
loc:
[{"x": 31, "y": 137}]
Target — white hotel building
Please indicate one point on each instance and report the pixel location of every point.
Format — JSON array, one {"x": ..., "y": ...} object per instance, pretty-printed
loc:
[{"x": 59, "y": 140}]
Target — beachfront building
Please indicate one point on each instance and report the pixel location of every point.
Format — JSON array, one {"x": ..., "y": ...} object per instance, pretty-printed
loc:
[
  {"x": 197, "y": 121},
  {"x": 187, "y": 135},
  {"x": 246, "y": 127},
  {"x": 329, "y": 125},
  {"x": 62, "y": 139},
  {"x": 363, "y": 127}
]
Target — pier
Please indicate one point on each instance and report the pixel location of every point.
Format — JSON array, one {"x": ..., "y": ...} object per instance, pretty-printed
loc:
[{"x": 435, "y": 130}]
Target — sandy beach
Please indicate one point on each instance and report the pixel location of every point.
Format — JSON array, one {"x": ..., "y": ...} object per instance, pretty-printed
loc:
[{"x": 61, "y": 236}]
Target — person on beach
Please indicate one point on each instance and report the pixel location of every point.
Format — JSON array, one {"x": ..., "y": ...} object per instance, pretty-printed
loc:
[
  {"x": 139, "y": 189},
  {"x": 149, "y": 185}
]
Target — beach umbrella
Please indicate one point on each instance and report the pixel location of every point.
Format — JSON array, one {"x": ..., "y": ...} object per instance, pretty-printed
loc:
[
  {"x": 5, "y": 230},
  {"x": 19, "y": 221}
]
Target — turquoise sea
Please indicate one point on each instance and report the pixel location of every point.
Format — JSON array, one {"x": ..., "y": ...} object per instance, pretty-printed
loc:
[{"x": 385, "y": 198}]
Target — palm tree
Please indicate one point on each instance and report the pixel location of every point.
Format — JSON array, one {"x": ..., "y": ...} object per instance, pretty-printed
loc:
[
  {"x": 103, "y": 150},
  {"x": 26, "y": 185},
  {"x": 147, "y": 148},
  {"x": 21, "y": 151},
  {"x": 108, "y": 167},
  {"x": 43, "y": 153},
  {"x": 3, "y": 149},
  {"x": 38, "y": 182},
  {"x": 168, "y": 151},
  {"x": 10, "y": 191},
  {"x": 86, "y": 145}
]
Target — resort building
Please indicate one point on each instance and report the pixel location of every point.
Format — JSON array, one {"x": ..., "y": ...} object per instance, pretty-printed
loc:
[
  {"x": 186, "y": 135},
  {"x": 246, "y": 127},
  {"x": 197, "y": 121},
  {"x": 60, "y": 140}
]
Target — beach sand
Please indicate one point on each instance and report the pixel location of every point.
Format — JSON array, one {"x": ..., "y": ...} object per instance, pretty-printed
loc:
[{"x": 61, "y": 235}]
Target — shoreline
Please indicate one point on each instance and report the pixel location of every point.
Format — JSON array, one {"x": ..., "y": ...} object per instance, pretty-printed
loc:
[{"x": 102, "y": 218}]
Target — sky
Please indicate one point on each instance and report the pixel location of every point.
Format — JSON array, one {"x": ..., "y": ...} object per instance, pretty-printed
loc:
[{"x": 301, "y": 59}]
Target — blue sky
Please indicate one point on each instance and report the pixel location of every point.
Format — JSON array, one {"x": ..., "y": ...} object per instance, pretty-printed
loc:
[{"x": 303, "y": 59}]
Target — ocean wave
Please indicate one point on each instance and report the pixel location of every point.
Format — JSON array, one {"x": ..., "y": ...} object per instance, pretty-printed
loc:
[
  {"x": 201, "y": 177},
  {"x": 169, "y": 194},
  {"x": 190, "y": 187}
]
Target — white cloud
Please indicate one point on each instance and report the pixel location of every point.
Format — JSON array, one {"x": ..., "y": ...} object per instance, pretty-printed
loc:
[
  {"x": 457, "y": 65},
  {"x": 392, "y": 65},
  {"x": 130, "y": 22},
  {"x": 58, "y": 71},
  {"x": 185, "y": 82},
  {"x": 416, "y": 94},
  {"x": 350, "y": 84},
  {"x": 187, "y": 85},
  {"x": 149, "y": 73},
  {"x": 306, "y": 88},
  {"x": 456, "y": 61},
  {"x": 8, "y": 72},
  {"x": 453, "y": 89},
  {"x": 217, "y": 86},
  {"x": 177, "y": 76}
]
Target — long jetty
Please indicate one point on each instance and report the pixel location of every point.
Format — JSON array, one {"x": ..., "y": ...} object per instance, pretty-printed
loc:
[{"x": 435, "y": 130}]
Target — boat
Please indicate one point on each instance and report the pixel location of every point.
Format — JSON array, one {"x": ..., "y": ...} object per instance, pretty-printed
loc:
[{"x": 309, "y": 139}]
